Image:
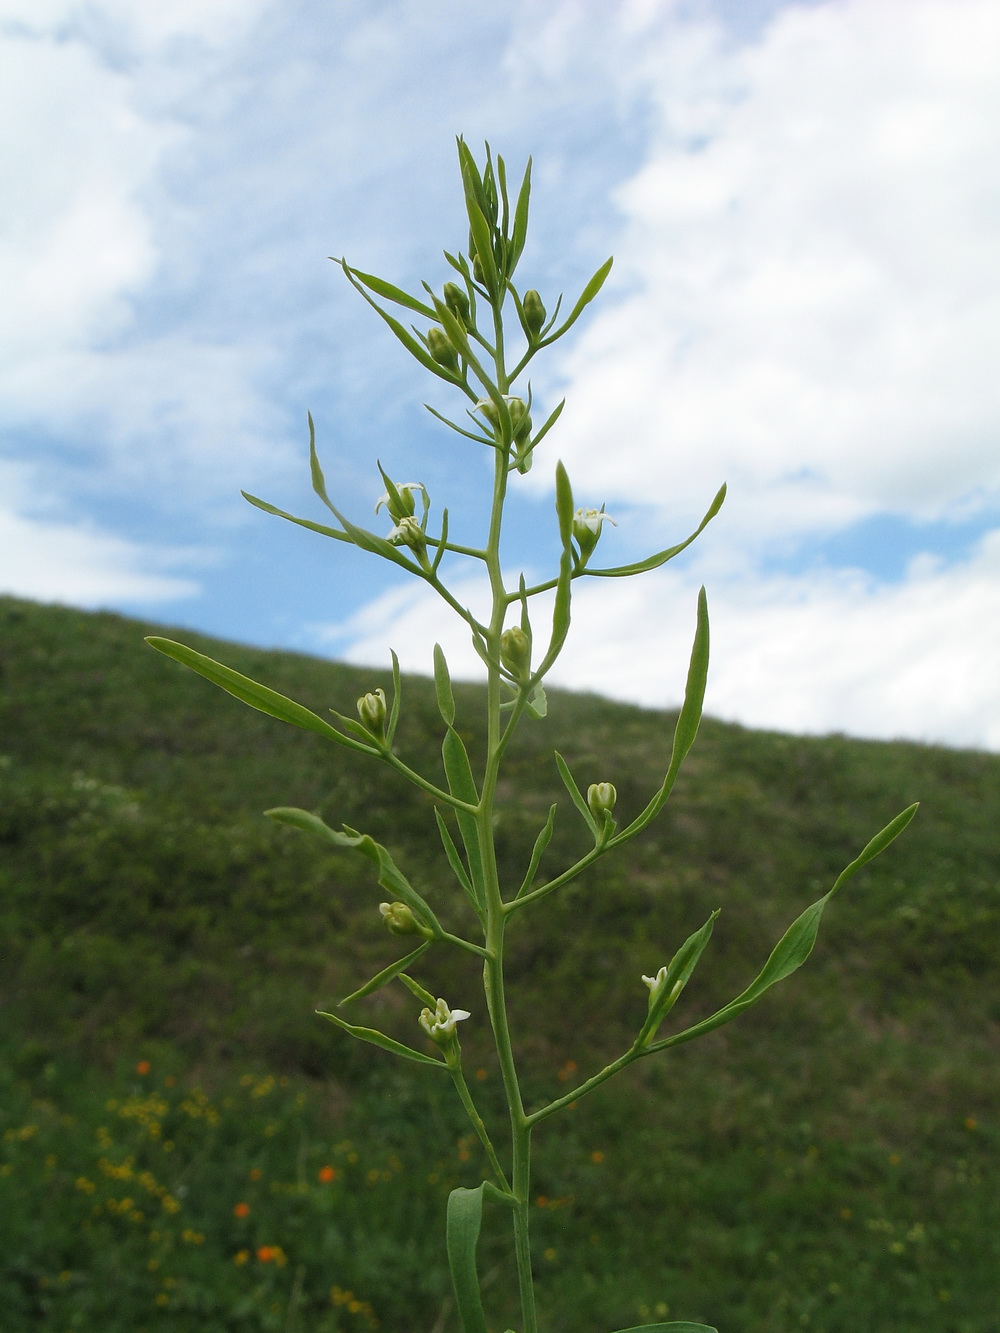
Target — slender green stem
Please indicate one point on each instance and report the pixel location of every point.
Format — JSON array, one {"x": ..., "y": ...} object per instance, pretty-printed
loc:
[
  {"x": 588, "y": 1085},
  {"x": 473, "y": 552},
  {"x": 430, "y": 576},
  {"x": 447, "y": 938},
  {"x": 493, "y": 977},
  {"x": 543, "y": 890},
  {"x": 477, "y": 1123},
  {"x": 425, "y": 784}
]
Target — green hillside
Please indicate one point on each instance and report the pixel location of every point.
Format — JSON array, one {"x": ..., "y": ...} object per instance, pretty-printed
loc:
[{"x": 828, "y": 1162}]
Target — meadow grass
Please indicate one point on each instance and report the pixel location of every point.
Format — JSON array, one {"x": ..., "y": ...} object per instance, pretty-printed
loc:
[{"x": 827, "y": 1163}]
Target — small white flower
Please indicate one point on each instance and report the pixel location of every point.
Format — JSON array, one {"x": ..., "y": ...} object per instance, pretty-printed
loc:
[
  {"x": 405, "y": 492},
  {"x": 408, "y": 532},
  {"x": 655, "y": 984},
  {"x": 590, "y": 520},
  {"x": 587, "y": 525},
  {"x": 439, "y": 1022}
]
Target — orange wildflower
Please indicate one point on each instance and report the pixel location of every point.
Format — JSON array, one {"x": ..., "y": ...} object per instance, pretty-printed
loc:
[
  {"x": 143, "y": 1067},
  {"x": 272, "y": 1254},
  {"x": 326, "y": 1174},
  {"x": 241, "y": 1210}
]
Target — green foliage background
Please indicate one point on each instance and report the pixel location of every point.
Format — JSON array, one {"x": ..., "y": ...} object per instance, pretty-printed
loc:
[{"x": 828, "y": 1162}]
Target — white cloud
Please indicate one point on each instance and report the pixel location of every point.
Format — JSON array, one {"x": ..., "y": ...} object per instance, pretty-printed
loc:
[
  {"x": 76, "y": 242},
  {"x": 85, "y": 156},
  {"x": 834, "y": 651},
  {"x": 168, "y": 411},
  {"x": 48, "y": 559},
  {"x": 146, "y": 22},
  {"x": 809, "y": 274}
]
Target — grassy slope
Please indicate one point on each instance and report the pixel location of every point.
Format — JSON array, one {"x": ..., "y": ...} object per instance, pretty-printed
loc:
[{"x": 810, "y": 1165}]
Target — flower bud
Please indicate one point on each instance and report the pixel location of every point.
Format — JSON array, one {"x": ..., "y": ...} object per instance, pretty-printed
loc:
[
  {"x": 520, "y": 419},
  {"x": 441, "y": 349},
  {"x": 523, "y": 457},
  {"x": 439, "y": 1022},
  {"x": 515, "y": 652},
  {"x": 601, "y": 797},
  {"x": 478, "y": 272},
  {"x": 534, "y": 312},
  {"x": 457, "y": 302},
  {"x": 399, "y": 920},
  {"x": 372, "y": 712}
]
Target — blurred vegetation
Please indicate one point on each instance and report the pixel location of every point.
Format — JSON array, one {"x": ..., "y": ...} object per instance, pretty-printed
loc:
[{"x": 828, "y": 1162}]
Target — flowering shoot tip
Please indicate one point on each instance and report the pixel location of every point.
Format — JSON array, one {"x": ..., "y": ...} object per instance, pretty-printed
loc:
[
  {"x": 400, "y": 920},
  {"x": 439, "y": 1022},
  {"x": 372, "y": 712},
  {"x": 587, "y": 525},
  {"x": 515, "y": 652}
]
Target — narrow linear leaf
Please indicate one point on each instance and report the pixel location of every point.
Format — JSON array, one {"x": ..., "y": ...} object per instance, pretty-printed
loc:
[
  {"x": 561, "y": 612},
  {"x": 380, "y": 1039},
  {"x": 416, "y": 350},
  {"x": 397, "y": 699},
  {"x": 391, "y": 293},
  {"x": 675, "y": 1327},
  {"x": 688, "y": 720},
  {"x": 250, "y": 692},
  {"x": 795, "y": 945},
  {"x": 694, "y": 691},
  {"x": 505, "y": 201},
  {"x": 553, "y": 417},
  {"x": 442, "y": 686},
  {"x": 455, "y": 861},
  {"x": 679, "y": 971},
  {"x": 482, "y": 234},
  {"x": 586, "y": 296},
  {"x": 661, "y": 557},
  {"x": 564, "y": 504},
  {"x": 464, "y": 1219},
  {"x": 352, "y": 725},
  {"x": 302, "y": 522},
  {"x": 385, "y": 976},
  {"x": 574, "y": 791},
  {"x": 361, "y": 537},
  {"x": 389, "y": 875},
  {"x": 877, "y": 845},
  {"x": 370, "y": 541},
  {"x": 454, "y": 328},
  {"x": 458, "y": 769},
  {"x": 547, "y": 328},
  {"x": 461, "y": 265},
  {"x": 472, "y": 182},
  {"x": 415, "y": 988},
  {"x": 538, "y": 851},
  {"x": 315, "y": 470},
  {"x": 462, "y": 784},
  {"x": 520, "y": 231},
  {"x": 469, "y": 435},
  {"x": 442, "y": 544}
]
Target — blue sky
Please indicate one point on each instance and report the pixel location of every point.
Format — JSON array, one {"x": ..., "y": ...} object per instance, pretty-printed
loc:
[{"x": 803, "y": 206}]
